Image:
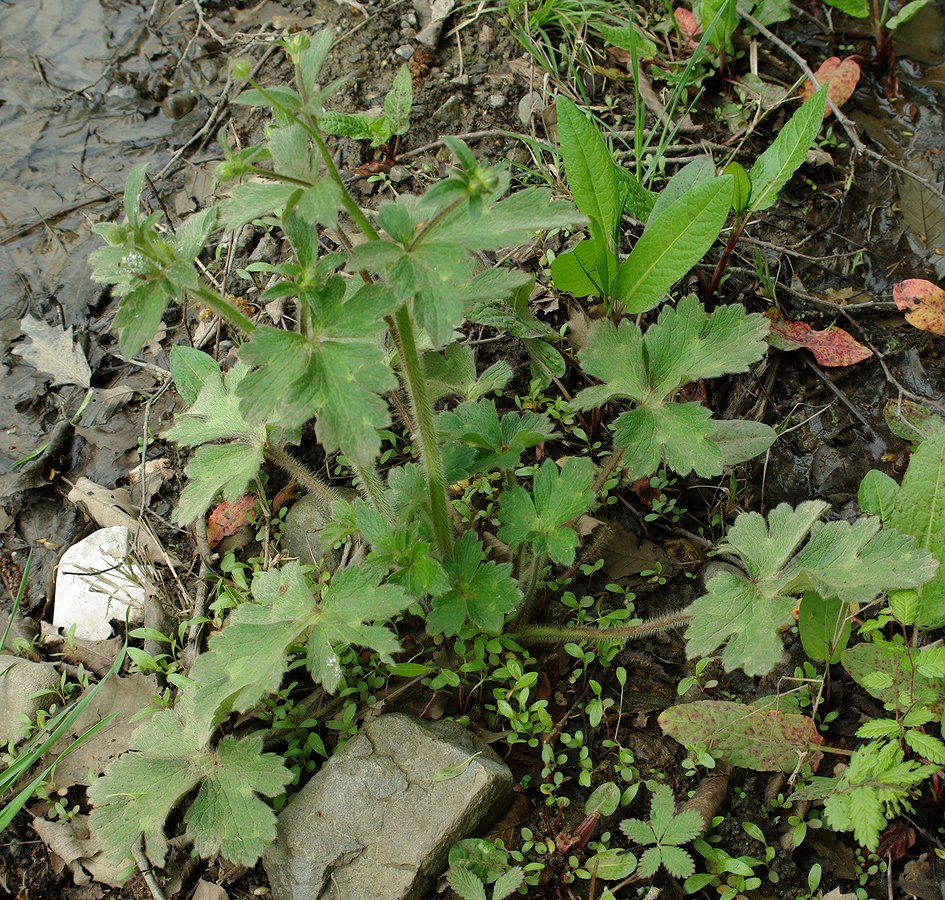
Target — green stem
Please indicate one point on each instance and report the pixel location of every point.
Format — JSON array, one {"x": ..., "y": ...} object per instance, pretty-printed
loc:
[
  {"x": 347, "y": 201},
  {"x": 311, "y": 482},
  {"x": 403, "y": 335},
  {"x": 220, "y": 305}
]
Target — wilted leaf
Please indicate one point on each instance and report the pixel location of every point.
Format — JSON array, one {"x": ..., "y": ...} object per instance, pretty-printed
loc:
[
  {"x": 228, "y": 517},
  {"x": 53, "y": 352},
  {"x": 688, "y": 27},
  {"x": 764, "y": 740},
  {"x": 831, "y": 347},
  {"x": 923, "y": 304},
  {"x": 841, "y": 77}
]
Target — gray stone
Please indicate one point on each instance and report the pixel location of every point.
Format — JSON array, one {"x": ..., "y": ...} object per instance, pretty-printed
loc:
[
  {"x": 449, "y": 110},
  {"x": 496, "y": 101},
  {"x": 374, "y": 825},
  {"x": 20, "y": 679},
  {"x": 304, "y": 524},
  {"x": 404, "y": 51}
]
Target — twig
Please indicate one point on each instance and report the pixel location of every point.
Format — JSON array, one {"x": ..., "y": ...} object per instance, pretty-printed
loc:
[
  {"x": 147, "y": 872},
  {"x": 838, "y": 393}
]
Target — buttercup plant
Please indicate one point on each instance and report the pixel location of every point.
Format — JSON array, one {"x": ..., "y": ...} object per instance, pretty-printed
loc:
[{"x": 372, "y": 321}]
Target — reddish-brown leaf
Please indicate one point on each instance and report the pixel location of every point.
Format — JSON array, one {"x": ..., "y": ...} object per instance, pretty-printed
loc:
[
  {"x": 688, "y": 26},
  {"x": 840, "y": 76},
  {"x": 831, "y": 347},
  {"x": 227, "y": 517},
  {"x": 923, "y": 304}
]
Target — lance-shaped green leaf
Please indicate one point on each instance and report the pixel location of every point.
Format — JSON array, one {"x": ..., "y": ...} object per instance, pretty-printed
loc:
[
  {"x": 483, "y": 592},
  {"x": 578, "y": 271},
  {"x": 169, "y": 757},
  {"x": 851, "y": 561},
  {"x": 877, "y": 495},
  {"x": 498, "y": 442},
  {"x": 672, "y": 243},
  {"x": 788, "y": 150},
  {"x": 398, "y": 101},
  {"x": 541, "y": 518},
  {"x": 337, "y": 372},
  {"x": 919, "y": 510},
  {"x": 684, "y": 345}
]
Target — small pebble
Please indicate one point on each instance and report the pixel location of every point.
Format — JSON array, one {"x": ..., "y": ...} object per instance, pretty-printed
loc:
[
  {"x": 497, "y": 101},
  {"x": 449, "y": 110},
  {"x": 404, "y": 51}
]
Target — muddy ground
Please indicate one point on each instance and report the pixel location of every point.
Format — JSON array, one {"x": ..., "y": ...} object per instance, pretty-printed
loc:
[{"x": 89, "y": 93}]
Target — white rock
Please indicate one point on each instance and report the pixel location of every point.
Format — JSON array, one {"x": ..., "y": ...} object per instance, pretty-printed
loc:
[{"x": 93, "y": 585}]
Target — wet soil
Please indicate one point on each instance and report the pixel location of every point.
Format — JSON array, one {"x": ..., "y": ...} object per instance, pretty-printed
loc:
[{"x": 87, "y": 93}]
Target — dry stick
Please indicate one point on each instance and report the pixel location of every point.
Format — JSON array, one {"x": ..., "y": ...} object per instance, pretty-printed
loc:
[
  {"x": 847, "y": 125},
  {"x": 710, "y": 794},
  {"x": 838, "y": 394},
  {"x": 147, "y": 872}
]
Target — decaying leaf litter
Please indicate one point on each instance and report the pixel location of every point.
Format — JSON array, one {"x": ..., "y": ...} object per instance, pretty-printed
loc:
[{"x": 813, "y": 461}]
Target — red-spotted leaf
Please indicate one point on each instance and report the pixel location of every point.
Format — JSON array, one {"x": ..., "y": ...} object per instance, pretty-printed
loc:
[
  {"x": 923, "y": 304},
  {"x": 840, "y": 76},
  {"x": 228, "y": 517},
  {"x": 831, "y": 347},
  {"x": 763, "y": 740}
]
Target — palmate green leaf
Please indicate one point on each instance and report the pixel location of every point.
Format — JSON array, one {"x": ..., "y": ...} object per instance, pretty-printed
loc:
[
  {"x": 590, "y": 171},
  {"x": 856, "y": 562},
  {"x": 226, "y": 469},
  {"x": 404, "y": 550},
  {"x": 509, "y": 222},
  {"x": 672, "y": 243},
  {"x": 499, "y": 443},
  {"x": 749, "y": 617},
  {"x": 919, "y": 510},
  {"x": 170, "y": 757},
  {"x": 781, "y": 160},
  {"x": 852, "y": 561},
  {"x": 337, "y": 373},
  {"x": 483, "y": 593},
  {"x": 453, "y": 373},
  {"x": 684, "y": 345},
  {"x": 466, "y": 884},
  {"x": 541, "y": 518},
  {"x": 678, "y": 433},
  {"x": 253, "y": 200}
]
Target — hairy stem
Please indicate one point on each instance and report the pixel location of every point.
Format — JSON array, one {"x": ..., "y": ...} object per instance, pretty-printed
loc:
[
  {"x": 551, "y": 634},
  {"x": 403, "y": 335},
  {"x": 220, "y": 305},
  {"x": 373, "y": 489},
  {"x": 311, "y": 482}
]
